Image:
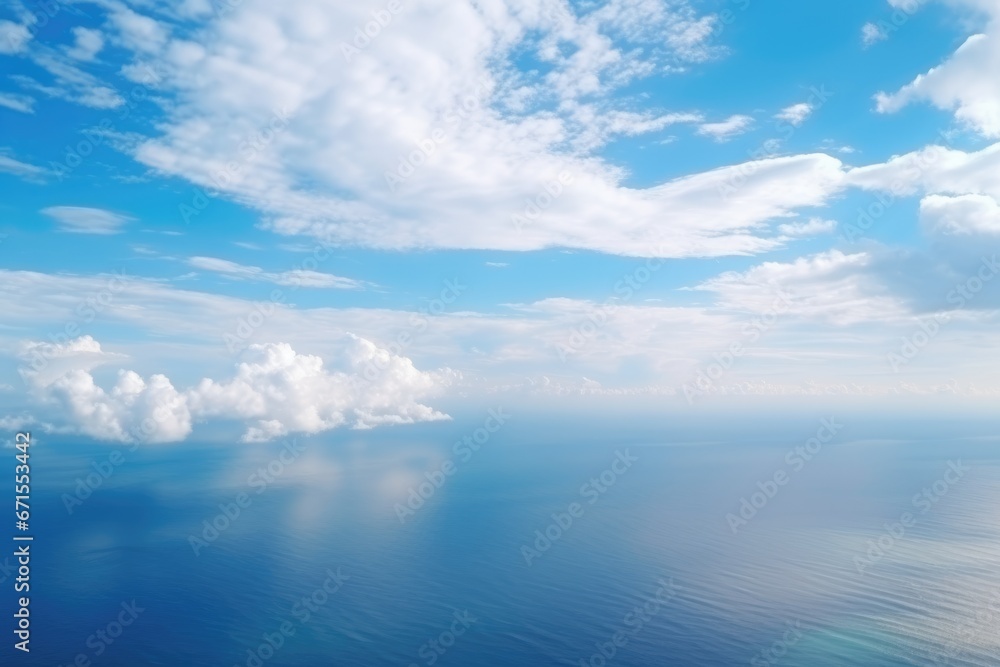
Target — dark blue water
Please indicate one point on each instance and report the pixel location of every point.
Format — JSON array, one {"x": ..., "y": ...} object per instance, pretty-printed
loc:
[{"x": 646, "y": 556}]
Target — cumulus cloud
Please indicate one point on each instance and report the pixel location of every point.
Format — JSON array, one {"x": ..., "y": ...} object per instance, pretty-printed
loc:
[
  {"x": 289, "y": 392},
  {"x": 85, "y": 220},
  {"x": 727, "y": 129},
  {"x": 275, "y": 390},
  {"x": 962, "y": 215},
  {"x": 964, "y": 231},
  {"x": 959, "y": 84}
]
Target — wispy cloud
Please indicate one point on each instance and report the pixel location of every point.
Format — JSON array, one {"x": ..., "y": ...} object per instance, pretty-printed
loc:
[
  {"x": 15, "y": 102},
  {"x": 69, "y": 81},
  {"x": 87, "y": 44},
  {"x": 795, "y": 114},
  {"x": 811, "y": 227},
  {"x": 727, "y": 129},
  {"x": 872, "y": 34},
  {"x": 29, "y": 172},
  {"x": 297, "y": 277},
  {"x": 14, "y": 37},
  {"x": 85, "y": 220}
]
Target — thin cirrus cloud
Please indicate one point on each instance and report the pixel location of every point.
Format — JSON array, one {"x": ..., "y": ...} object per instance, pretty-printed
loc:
[
  {"x": 17, "y": 102},
  {"x": 86, "y": 220},
  {"x": 24, "y": 170},
  {"x": 295, "y": 277},
  {"x": 63, "y": 69}
]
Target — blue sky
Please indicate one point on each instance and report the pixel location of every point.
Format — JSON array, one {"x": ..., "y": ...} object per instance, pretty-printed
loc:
[{"x": 681, "y": 169}]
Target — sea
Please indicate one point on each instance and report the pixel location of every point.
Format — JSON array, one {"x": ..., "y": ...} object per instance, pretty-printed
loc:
[{"x": 525, "y": 539}]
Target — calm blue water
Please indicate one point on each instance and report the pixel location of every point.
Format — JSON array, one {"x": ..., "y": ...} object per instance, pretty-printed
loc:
[{"x": 784, "y": 590}]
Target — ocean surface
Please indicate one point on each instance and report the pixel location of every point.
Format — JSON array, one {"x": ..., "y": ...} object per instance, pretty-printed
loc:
[{"x": 872, "y": 551}]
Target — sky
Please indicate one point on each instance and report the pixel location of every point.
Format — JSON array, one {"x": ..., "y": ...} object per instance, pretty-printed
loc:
[{"x": 278, "y": 218}]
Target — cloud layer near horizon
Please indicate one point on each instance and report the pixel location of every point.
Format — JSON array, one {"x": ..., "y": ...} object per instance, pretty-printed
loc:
[{"x": 275, "y": 390}]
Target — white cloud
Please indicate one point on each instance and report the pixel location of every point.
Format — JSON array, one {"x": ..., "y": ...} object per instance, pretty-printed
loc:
[
  {"x": 731, "y": 127},
  {"x": 963, "y": 215},
  {"x": 22, "y": 103},
  {"x": 45, "y": 362},
  {"x": 276, "y": 390},
  {"x": 609, "y": 46},
  {"x": 811, "y": 227},
  {"x": 296, "y": 277},
  {"x": 934, "y": 170},
  {"x": 69, "y": 81},
  {"x": 648, "y": 21},
  {"x": 137, "y": 32},
  {"x": 118, "y": 415},
  {"x": 961, "y": 83},
  {"x": 88, "y": 43},
  {"x": 872, "y": 34},
  {"x": 433, "y": 88},
  {"x": 23, "y": 170},
  {"x": 194, "y": 9},
  {"x": 85, "y": 220},
  {"x": 795, "y": 114},
  {"x": 832, "y": 286},
  {"x": 16, "y": 424},
  {"x": 847, "y": 311},
  {"x": 289, "y": 392},
  {"x": 14, "y": 37},
  {"x": 600, "y": 126}
]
